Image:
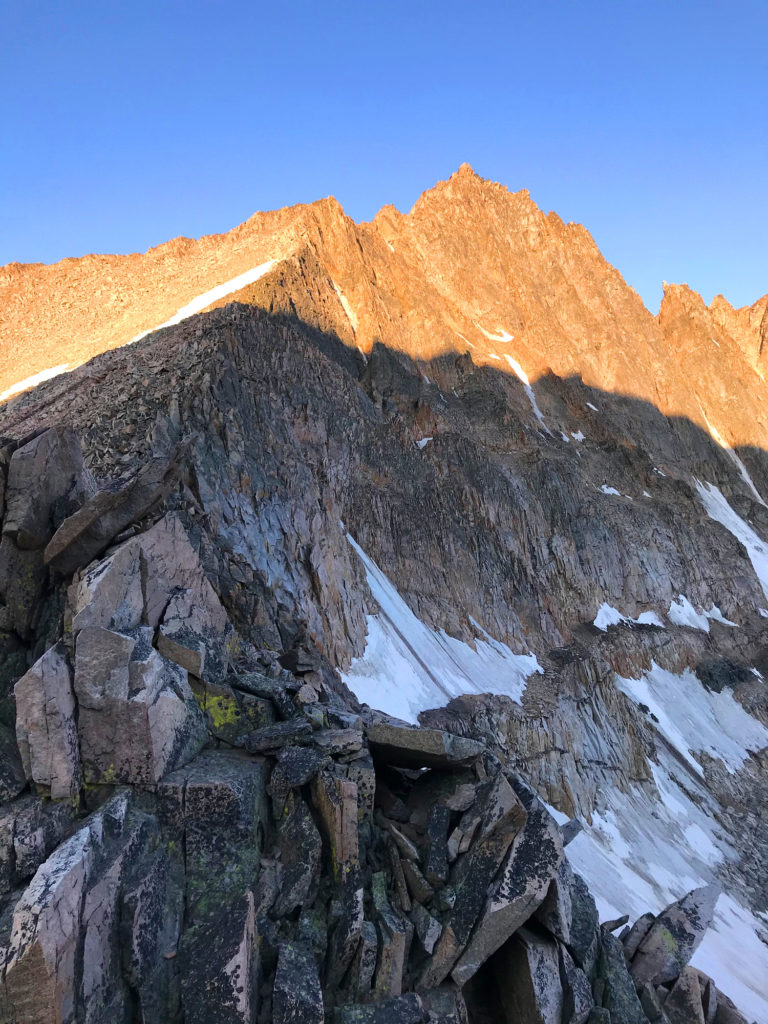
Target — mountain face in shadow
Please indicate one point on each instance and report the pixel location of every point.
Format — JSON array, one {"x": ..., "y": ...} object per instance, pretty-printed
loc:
[{"x": 442, "y": 469}]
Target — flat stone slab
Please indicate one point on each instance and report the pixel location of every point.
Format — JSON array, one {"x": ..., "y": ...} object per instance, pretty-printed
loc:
[{"x": 421, "y": 748}]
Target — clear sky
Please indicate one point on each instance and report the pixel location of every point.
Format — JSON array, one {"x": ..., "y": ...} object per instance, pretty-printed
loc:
[{"x": 126, "y": 124}]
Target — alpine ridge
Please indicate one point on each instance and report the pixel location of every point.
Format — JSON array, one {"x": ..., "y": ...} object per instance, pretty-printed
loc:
[{"x": 383, "y": 626}]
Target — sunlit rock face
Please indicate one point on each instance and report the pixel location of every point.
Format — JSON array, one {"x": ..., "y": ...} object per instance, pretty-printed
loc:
[{"x": 443, "y": 467}]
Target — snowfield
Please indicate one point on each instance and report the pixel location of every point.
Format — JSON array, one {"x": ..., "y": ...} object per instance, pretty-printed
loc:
[
  {"x": 408, "y": 667},
  {"x": 640, "y": 854},
  {"x": 692, "y": 718}
]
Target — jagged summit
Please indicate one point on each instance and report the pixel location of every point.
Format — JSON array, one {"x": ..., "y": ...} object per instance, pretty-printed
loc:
[{"x": 472, "y": 267}]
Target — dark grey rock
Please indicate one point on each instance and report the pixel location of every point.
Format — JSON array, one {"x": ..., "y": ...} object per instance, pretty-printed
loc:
[
  {"x": 300, "y": 848},
  {"x": 297, "y": 997},
  {"x": 12, "y": 777},
  {"x": 46, "y": 481},
  {"x": 614, "y": 925},
  {"x": 272, "y": 738},
  {"x": 505, "y": 822},
  {"x": 218, "y": 964},
  {"x": 268, "y": 689},
  {"x": 570, "y": 830},
  {"x": 89, "y": 531},
  {"x": 436, "y": 845},
  {"x": 619, "y": 994},
  {"x": 527, "y": 976},
  {"x": 577, "y": 991},
  {"x": 522, "y": 884},
  {"x": 406, "y": 1009}
]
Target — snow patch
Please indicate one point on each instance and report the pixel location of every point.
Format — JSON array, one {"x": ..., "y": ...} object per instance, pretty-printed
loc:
[
  {"x": 197, "y": 305},
  {"x": 593, "y": 407},
  {"x": 408, "y": 667},
  {"x": 577, "y": 435},
  {"x": 33, "y": 381},
  {"x": 423, "y": 442},
  {"x": 691, "y": 718},
  {"x": 610, "y": 490},
  {"x": 503, "y": 336},
  {"x": 609, "y": 616},
  {"x": 719, "y": 510}
]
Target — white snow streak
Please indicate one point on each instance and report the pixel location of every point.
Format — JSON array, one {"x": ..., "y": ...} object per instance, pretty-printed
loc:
[
  {"x": 197, "y": 305},
  {"x": 593, "y": 407},
  {"x": 351, "y": 315},
  {"x": 408, "y": 667},
  {"x": 503, "y": 336},
  {"x": 732, "y": 455},
  {"x": 522, "y": 376},
  {"x": 610, "y": 490},
  {"x": 423, "y": 442},
  {"x": 719, "y": 510},
  {"x": 33, "y": 381},
  {"x": 692, "y": 718}
]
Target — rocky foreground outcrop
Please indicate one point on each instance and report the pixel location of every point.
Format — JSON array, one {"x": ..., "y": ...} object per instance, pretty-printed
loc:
[{"x": 198, "y": 830}]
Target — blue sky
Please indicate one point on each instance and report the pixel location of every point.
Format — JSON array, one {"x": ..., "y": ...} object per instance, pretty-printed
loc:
[{"x": 125, "y": 124}]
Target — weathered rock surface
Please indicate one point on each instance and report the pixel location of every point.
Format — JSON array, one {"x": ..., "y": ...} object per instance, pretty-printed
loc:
[
  {"x": 46, "y": 727},
  {"x": 674, "y": 937}
]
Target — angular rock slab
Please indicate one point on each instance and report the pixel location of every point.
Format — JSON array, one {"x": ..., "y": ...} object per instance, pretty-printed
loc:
[
  {"x": 46, "y": 726},
  {"x": 46, "y": 480},
  {"x": 674, "y": 937},
  {"x": 529, "y": 868},
  {"x": 421, "y": 748},
  {"x": 683, "y": 1005},
  {"x": 156, "y": 579},
  {"x": 138, "y": 718},
  {"x": 528, "y": 978},
  {"x": 89, "y": 530},
  {"x": 297, "y": 997},
  {"x": 219, "y": 967},
  {"x": 62, "y": 963},
  {"x": 619, "y": 995},
  {"x": 215, "y": 808},
  {"x": 501, "y": 818},
  {"x": 335, "y": 800}
]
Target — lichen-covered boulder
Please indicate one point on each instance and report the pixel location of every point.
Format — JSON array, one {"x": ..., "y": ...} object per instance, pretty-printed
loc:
[{"x": 674, "y": 937}]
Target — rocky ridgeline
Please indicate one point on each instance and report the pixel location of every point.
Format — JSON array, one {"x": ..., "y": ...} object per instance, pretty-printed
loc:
[{"x": 198, "y": 830}]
